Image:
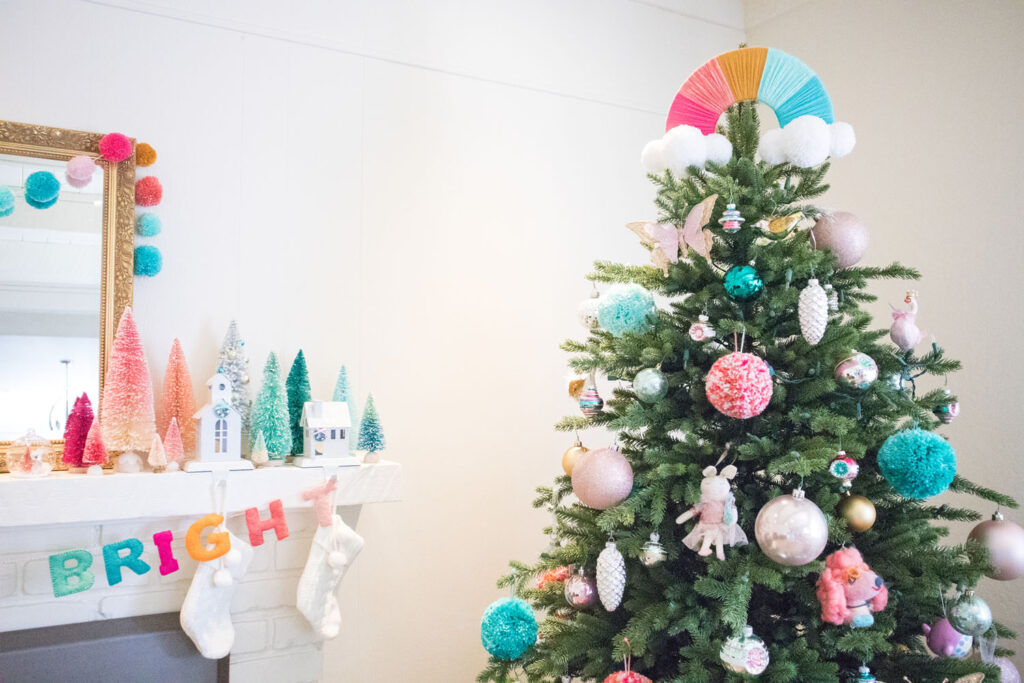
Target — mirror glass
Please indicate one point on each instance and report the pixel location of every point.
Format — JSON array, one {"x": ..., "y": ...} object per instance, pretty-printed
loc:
[{"x": 50, "y": 274}]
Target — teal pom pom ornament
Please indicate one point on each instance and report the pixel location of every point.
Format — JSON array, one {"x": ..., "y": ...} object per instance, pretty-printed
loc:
[
  {"x": 6, "y": 202},
  {"x": 742, "y": 283},
  {"x": 148, "y": 260},
  {"x": 148, "y": 225},
  {"x": 917, "y": 463},
  {"x": 508, "y": 628},
  {"x": 42, "y": 187},
  {"x": 626, "y": 308}
]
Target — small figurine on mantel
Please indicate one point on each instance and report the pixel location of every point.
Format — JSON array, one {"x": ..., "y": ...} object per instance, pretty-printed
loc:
[
  {"x": 326, "y": 427},
  {"x": 218, "y": 432}
]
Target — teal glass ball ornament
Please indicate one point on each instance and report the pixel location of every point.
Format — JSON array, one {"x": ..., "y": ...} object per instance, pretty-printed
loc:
[
  {"x": 742, "y": 283},
  {"x": 650, "y": 385}
]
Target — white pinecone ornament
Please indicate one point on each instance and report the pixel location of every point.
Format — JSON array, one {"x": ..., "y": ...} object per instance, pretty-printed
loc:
[
  {"x": 611, "y": 576},
  {"x": 813, "y": 312}
]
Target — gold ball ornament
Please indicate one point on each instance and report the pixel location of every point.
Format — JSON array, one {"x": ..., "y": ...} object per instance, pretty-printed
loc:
[
  {"x": 858, "y": 511},
  {"x": 571, "y": 455}
]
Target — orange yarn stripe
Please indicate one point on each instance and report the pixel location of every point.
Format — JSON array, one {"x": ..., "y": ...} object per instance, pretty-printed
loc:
[{"x": 743, "y": 69}]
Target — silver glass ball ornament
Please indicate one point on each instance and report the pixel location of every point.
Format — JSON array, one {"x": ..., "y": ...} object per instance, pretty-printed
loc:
[
  {"x": 970, "y": 614},
  {"x": 653, "y": 552},
  {"x": 580, "y": 590},
  {"x": 650, "y": 385},
  {"x": 791, "y": 530},
  {"x": 858, "y": 371}
]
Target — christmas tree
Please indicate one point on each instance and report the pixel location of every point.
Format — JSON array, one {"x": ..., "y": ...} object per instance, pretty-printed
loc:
[
  {"x": 371, "y": 435},
  {"x": 343, "y": 393},
  {"x": 173, "y": 446},
  {"x": 726, "y": 437},
  {"x": 95, "y": 451},
  {"x": 126, "y": 416},
  {"x": 270, "y": 413},
  {"x": 178, "y": 400},
  {"x": 157, "y": 457},
  {"x": 259, "y": 455},
  {"x": 233, "y": 362},
  {"x": 76, "y": 430},
  {"x": 297, "y": 386}
]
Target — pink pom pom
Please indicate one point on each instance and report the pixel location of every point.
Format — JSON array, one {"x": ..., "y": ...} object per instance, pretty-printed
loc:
[
  {"x": 739, "y": 385},
  {"x": 148, "y": 191},
  {"x": 115, "y": 147},
  {"x": 81, "y": 168},
  {"x": 75, "y": 182}
]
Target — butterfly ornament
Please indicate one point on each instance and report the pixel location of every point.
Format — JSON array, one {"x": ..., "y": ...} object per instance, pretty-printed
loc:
[{"x": 665, "y": 239}]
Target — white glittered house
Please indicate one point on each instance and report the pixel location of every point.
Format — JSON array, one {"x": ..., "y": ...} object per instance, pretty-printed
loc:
[
  {"x": 218, "y": 432},
  {"x": 326, "y": 429}
]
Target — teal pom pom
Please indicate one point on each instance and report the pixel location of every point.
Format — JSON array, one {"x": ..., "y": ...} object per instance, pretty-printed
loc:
[
  {"x": 508, "y": 628},
  {"x": 148, "y": 225},
  {"x": 6, "y": 202},
  {"x": 42, "y": 187},
  {"x": 742, "y": 283},
  {"x": 917, "y": 463},
  {"x": 148, "y": 260},
  {"x": 40, "y": 205},
  {"x": 626, "y": 308}
]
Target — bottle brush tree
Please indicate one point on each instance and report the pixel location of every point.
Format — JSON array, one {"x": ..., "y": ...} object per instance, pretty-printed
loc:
[
  {"x": 343, "y": 394},
  {"x": 270, "y": 413},
  {"x": 792, "y": 415},
  {"x": 297, "y": 387},
  {"x": 126, "y": 414},
  {"x": 178, "y": 402},
  {"x": 76, "y": 430},
  {"x": 371, "y": 435}
]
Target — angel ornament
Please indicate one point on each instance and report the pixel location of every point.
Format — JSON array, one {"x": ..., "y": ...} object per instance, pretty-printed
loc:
[
  {"x": 666, "y": 239},
  {"x": 719, "y": 521},
  {"x": 904, "y": 331}
]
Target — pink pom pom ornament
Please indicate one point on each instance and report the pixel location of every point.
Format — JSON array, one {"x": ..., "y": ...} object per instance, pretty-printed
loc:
[
  {"x": 148, "y": 191},
  {"x": 80, "y": 170},
  {"x": 115, "y": 147},
  {"x": 739, "y": 385}
]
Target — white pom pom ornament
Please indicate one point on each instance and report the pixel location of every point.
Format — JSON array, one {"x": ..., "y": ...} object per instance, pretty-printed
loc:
[
  {"x": 653, "y": 157},
  {"x": 684, "y": 147},
  {"x": 807, "y": 141},
  {"x": 843, "y": 139},
  {"x": 719, "y": 149},
  {"x": 771, "y": 148}
]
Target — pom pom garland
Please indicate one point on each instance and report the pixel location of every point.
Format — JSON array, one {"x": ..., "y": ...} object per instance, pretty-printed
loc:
[
  {"x": 80, "y": 168},
  {"x": 40, "y": 205},
  {"x": 508, "y": 628},
  {"x": 6, "y": 201},
  {"x": 76, "y": 182},
  {"x": 148, "y": 225},
  {"x": 148, "y": 191},
  {"x": 148, "y": 260},
  {"x": 145, "y": 155},
  {"x": 626, "y": 308},
  {"x": 115, "y": 147},
  {"x": 917, "y": 463},
  {"x": 807, "y": 141},
  {"x": 42, "y": 187}
]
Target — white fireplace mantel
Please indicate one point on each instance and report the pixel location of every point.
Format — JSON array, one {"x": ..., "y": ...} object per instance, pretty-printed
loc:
[{"x": 63, "y": 497}]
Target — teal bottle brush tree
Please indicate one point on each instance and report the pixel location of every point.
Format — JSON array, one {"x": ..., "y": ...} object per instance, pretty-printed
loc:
[{"x": 758, "y": 497}]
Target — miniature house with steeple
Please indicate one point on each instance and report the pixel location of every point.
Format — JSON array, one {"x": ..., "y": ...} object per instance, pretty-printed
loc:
[
  {"x": 326, "y": 427},
  {"x": 218, "y": 432}
]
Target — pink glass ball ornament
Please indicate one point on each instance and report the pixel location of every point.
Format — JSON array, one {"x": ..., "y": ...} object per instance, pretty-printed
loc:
[
  {"x": 602, "y": 479},
  {"x": 858, "y": 371},
  {"x": 791, "y": 530},
  {"x": 843, "y": 234},
  {"x": 1007, "y": 671},
  {"x": 739, "y": 385},
  {"x": 1004, "y": 542},
  {"x": 945, "y": 641},
  {"x": 580, "y": 590}
]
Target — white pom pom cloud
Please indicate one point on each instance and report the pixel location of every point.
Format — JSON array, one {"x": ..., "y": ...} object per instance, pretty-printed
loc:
[
  {"x": 682, "y": 147},
  {"x": 807, "y": 141}
]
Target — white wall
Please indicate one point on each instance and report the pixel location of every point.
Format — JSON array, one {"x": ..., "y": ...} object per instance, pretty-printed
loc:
[
  {"x": 933, "y": 90},
  {"x": 415, "y": 189}
]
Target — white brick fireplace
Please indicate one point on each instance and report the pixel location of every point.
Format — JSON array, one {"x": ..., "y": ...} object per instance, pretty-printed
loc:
[{"x": 63, "y": 512}]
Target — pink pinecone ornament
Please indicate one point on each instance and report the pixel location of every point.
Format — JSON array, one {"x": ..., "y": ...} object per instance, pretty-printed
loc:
[{"x": 904, "y": 331}]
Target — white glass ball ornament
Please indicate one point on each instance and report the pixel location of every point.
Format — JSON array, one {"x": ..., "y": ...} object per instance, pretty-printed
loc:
[
  {"x": 586, "y": 313},
  {"x": 650, "y": 385},
  {"x": 653, "y": 552},
  {"x": 745, "y": 653},
  {"x": 1004, "y": 542},
  {"x": 791, "y": 530},
  {"x": 970, "y": 614}
]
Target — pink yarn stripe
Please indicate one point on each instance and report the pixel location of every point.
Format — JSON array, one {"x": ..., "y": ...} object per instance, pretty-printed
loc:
[
  {"x": 708, "y": 87},
  {"x": 685, "y": 111}
]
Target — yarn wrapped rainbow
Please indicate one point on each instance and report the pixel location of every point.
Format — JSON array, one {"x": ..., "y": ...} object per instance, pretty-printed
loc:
[{"x": 765, "y": 75}]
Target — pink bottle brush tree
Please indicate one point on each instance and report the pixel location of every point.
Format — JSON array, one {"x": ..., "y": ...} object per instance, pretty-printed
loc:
[
  {"x": 178, "y": 402},
  {"x": 76, "y": 430},
  {"x": 173, "y": 446},
  {"x": 126, "y": 415},
  {"x": 95, "y": 452}
]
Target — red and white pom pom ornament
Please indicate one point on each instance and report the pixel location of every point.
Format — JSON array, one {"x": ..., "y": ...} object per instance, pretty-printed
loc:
[
  {"x": 627, "y": 676},
  {"x": 115, "y": 147},
  {"x": 739, "y": 385}
]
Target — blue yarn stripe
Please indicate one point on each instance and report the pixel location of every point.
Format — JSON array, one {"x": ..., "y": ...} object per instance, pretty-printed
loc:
[
  {"x": 782, "y": 77},
  {"x": 811, "y": 99}
]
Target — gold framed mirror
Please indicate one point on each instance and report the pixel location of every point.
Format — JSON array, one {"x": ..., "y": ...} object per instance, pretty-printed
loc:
[{"x": 64, "y": 271}]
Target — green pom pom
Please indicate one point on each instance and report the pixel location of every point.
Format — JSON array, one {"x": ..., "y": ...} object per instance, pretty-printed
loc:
[
  {"x": 626, "y": 308},
  {"x": 917, "y": 463},
  {"x": 508, "y": 628}
]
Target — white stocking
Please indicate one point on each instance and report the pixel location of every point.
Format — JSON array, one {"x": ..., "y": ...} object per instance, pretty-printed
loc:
[
  {"x": 334, "y": 549},
  {"x": 206, "y": 612}
]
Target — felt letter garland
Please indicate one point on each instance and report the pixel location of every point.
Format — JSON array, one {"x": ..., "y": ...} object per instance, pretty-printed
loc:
[
  {"x": 220, "y": 540},
  {"x": 257, "y": 526},
  {"x": 113, "y": 560},
  {"x": 61, "y": 574},
  {"x": 162, "y": 541}
]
